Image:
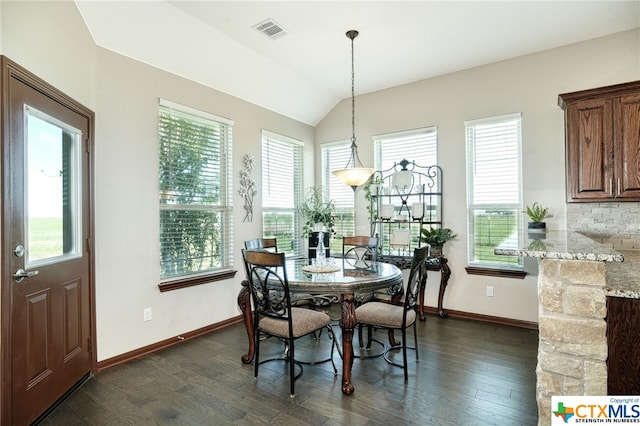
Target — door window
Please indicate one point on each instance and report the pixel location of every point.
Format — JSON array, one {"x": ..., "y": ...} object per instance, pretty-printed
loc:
[{"x": 51, "y": 189}]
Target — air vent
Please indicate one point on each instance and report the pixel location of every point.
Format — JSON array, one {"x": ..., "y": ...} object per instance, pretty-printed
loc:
[{"x": 270, "y": 28}]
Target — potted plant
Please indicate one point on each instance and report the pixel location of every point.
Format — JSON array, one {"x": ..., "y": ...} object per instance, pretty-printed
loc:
[
  {"x": 436, "y": 237},
  {"x": 537, "y": 213},
  {"x": 318, "y": 216},
  {"x": 317, "y": 213}
]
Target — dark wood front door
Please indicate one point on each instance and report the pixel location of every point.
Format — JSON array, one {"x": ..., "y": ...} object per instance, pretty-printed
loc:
[{"x": 47, "y": 283}]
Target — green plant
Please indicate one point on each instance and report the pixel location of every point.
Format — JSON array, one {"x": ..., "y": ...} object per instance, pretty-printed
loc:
[
  {"x": 537, "y": 213},
  {"x": 315, "y": 209},
  {"x": 436, "y": 237},
  {"x": 375, "y": 179}
]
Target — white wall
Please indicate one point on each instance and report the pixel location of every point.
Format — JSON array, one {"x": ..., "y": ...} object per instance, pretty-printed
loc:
[
  {"x": 529, "y": 84},
  {"x": 50, "y": 40},
  {"x": 127, "y": 264}
]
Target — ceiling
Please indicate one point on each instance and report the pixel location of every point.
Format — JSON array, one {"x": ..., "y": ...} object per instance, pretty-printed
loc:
[{"x": 306, "y": 72}]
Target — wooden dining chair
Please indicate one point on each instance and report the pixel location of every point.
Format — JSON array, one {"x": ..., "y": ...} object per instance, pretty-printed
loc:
[
  {"x": 274, "y": 315},
  {"x": 261, "y": 244},
  {"x": 359, "y": 251},
  {"x": 399, "y": 317},
  {"x": 271, "y": 244}
]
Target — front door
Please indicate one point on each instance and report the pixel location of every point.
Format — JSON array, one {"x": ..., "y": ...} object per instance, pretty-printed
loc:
[{"x": 47, "y": 283}]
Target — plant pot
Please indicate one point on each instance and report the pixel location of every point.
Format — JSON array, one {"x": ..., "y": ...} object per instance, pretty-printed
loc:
[
  {"x": 537, "y": 226},
  {"x": 435, "y": 251}
]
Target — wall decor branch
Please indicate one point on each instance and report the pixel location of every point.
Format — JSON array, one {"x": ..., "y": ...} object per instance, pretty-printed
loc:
[{"x": 247, "y": 187}]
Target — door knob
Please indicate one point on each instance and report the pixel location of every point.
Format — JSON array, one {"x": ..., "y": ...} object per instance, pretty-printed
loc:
[{"x": 21, "y": 274}]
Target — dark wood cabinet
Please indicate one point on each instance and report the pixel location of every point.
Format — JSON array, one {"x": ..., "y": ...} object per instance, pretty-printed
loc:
[
  {"x": 603, "y": 143},
  {"x": 623, "y": 340}
]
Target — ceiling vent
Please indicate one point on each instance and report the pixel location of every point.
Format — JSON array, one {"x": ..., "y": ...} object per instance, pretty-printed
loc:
[{"x": 271, "y": 29}]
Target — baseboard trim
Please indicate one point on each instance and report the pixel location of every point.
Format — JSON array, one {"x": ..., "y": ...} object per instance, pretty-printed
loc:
[
  {"x": 172, "y": 341},
  {"x": 146, "y": 350},
  {"x": 485, "y": 318}
]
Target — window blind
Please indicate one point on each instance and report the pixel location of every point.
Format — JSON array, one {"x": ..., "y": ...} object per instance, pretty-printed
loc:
[
  {"x": 336, "y": 156},
  {"x": 194, "y": 197},
  {"x": 418, "y": 145},
  {"x": 494, "y": 188},
  {"x": 281, "y": 190}
]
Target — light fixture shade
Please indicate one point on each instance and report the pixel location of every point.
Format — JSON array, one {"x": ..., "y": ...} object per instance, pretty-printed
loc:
[
  {"x": 356, "y": 174},
  {"x": 353, "y": 176}
]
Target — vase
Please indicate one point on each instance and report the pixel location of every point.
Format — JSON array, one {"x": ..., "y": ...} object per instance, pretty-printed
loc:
[{"x": 313, "y": 244}]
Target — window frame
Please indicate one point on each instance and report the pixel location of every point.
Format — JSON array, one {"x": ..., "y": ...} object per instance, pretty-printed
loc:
[
  {"x": 297, "y": 170},
  {"x": 223, "y": 207},
  {"x": 507, "y": 266}
]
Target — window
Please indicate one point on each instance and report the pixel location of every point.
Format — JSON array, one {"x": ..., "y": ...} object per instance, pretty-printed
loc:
[
  {"x": 494, "y": 189},
  {"x": 195, "y": 185},
  {"x": 419, "y": 146},
  {"x": 281, "y": 191},
  {"x": 336, "y": 156}
]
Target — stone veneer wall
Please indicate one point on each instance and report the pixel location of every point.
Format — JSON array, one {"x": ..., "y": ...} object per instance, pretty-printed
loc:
[
  {"x": 572, "y": 352},
  {"x": 614, "y": 225}
]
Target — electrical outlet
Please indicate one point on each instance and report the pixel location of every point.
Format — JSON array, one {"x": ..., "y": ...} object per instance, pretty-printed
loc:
[
  {"x": 147, "y": 314},
  {"x": 490, "y": 291}
]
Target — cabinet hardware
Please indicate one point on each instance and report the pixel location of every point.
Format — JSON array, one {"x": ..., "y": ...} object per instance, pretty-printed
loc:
[{"x": 611, "y": 187}]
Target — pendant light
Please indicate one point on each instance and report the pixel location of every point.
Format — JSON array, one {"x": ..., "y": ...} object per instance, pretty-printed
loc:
[{"x": 354, "y": 174}]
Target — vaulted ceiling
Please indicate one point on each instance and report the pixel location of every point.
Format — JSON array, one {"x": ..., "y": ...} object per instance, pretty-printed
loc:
[{"x": 306, "y": 71}]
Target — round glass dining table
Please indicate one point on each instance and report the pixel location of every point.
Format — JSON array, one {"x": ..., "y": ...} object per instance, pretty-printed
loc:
[{"x": 339, "y": 281}]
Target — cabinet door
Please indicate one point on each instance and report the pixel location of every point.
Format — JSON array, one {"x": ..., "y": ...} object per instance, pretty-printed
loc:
[
  {"x": 590, "y": 150},
  {"x": 623, "y": 340},
  {"x": 626, "y": 113}
]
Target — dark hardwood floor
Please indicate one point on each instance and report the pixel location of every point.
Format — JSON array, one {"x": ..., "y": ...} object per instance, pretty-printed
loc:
[{"x": 469, "y": 373}]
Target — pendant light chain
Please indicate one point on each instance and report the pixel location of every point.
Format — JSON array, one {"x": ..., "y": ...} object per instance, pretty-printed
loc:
[
  {"x": 353, "y": 94},
  {"x": 353, "y": 175}
]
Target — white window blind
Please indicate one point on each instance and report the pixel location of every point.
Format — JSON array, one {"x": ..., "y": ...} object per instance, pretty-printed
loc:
[
  {"x": 281, "y": 190},
  {"x": 195, "y": 182},
  {"x": 336, "y": 156},
  {"x": 419, "y": 146},
  {"x": 494, "y": 188}
]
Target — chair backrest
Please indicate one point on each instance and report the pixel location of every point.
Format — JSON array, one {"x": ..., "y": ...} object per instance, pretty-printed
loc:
[
  {"x": 261, "y": 244},
  {"x": 361, "y": 250},
  {"x": 416, "y": 277},
  {"x": 267, "y": 276}
]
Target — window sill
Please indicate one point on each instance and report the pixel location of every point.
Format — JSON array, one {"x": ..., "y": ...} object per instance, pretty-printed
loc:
[
  {"x": 196, "y": 280},
  {"x": 504, "y": 273}
]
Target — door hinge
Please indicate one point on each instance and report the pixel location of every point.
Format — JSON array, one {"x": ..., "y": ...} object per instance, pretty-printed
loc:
[
  {"x": 88, "y": 245},
  {"x": 87, "y": 145},
  {"x": 90, "y": 345}
]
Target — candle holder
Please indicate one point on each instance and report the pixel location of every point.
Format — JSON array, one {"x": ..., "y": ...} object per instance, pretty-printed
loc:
[
  {"x": 386, "y": 211},
  {"x": 417, "y": 211}
]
